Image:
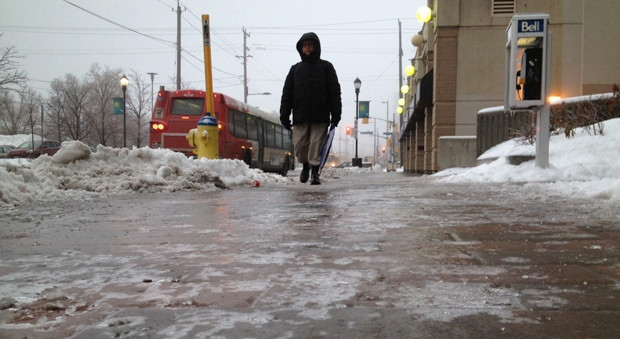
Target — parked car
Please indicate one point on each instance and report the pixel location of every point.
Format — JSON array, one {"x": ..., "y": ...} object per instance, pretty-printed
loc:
[
  {"x": 25, "y": 150},
  {"x": 4, "y": 150}
]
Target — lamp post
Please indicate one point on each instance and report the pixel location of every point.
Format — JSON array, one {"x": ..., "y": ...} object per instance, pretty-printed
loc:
[
  {"x": 387, "y": 116},
  {"x": 152, "y": 74},
  {"x": 124, "y": 83},
  {"x": 387, "y": 126},
  {"x": 357, "y": 83}
]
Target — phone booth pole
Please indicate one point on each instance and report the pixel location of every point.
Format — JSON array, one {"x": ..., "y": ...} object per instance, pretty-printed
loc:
[{"x": 527, "y": 83}]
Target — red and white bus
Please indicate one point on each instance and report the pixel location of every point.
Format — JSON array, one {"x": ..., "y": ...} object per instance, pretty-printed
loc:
[{"x": 245, "y": 132}]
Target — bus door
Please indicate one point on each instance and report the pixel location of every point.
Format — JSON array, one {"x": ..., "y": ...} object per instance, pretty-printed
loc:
[
  {"x": 253, "y": 138},
  {"x": 261, "y": 142}
]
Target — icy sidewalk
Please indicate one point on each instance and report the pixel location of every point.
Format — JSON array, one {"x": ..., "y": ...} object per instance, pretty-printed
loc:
[{"x": 363, "y": 255}]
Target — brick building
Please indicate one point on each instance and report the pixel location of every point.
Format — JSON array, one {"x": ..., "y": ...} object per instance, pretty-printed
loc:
[{"x": 460, "y": 65}]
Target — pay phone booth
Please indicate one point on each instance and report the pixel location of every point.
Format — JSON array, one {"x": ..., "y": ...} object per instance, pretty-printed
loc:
[{"x": 528, "y": 73}]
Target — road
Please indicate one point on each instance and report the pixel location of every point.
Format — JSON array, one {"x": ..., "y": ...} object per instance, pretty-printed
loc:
[{"x": 373, "y": 255}]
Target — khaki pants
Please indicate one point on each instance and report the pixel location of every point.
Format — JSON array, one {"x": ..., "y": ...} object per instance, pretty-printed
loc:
[{"x": 307, "y": 139}]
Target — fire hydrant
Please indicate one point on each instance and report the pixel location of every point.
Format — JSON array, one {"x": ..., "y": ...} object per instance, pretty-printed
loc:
[{"x": 204, "y": 139}]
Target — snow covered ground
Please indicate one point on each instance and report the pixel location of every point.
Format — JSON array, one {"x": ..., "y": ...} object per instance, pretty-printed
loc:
[{"x": 585, "y": 165}]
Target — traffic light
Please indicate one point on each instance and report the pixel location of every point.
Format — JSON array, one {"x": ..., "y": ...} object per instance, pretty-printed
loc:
[
  {"x": 383, "y": 149},
  {"x": 348, "y": 130}
]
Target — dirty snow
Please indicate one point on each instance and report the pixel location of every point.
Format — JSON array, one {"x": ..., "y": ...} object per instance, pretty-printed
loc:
[{"x": 584, "y": 165}]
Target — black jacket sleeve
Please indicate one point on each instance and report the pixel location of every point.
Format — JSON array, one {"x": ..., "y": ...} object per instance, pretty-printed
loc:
[
  {"x": 334, "y": 93},
  {"x": 286, "y": 102}
]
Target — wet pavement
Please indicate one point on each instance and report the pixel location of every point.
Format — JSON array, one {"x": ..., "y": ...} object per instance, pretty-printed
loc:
[{"x": 373, "y": 255}]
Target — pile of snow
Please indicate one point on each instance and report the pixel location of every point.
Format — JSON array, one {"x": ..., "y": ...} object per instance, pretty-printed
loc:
[
  {"x": 585, "y": 164},
  {"x": 74, "y": 170}
]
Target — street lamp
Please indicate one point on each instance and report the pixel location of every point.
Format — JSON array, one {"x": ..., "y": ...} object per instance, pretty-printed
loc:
[
  {"x": 387, "y": 118},
  {"x": 425, "y": 14},
  {"x": 124, "y": 83},
  {"x": 357, "y": 83},
  {"x": 152, "y": 74}
]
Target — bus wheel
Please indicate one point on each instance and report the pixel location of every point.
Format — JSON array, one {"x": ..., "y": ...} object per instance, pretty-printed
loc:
[{"x": 247, "y": 157}]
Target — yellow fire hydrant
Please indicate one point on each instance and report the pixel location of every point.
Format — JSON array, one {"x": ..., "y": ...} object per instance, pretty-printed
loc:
[{"x": 204, "y": 139}]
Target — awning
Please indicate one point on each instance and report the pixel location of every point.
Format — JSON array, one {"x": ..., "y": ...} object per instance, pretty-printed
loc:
[
  {"x": 423, "y": 96},
  {"x": 423, "y": 99}
]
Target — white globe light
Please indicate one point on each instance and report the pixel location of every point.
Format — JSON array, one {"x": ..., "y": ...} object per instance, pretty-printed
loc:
[
  {"x": 399, "y": 110},
  {"x": 417, "y": 40},
  {"x": 404, "y": 89}
]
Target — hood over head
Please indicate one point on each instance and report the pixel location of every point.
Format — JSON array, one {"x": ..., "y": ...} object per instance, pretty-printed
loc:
[{"x": 317, "y": 47}]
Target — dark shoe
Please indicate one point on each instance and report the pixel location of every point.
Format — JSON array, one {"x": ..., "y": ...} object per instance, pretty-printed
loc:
[
  {"x": 315, "y": 176},
  {"x": 305, "y": 173}
]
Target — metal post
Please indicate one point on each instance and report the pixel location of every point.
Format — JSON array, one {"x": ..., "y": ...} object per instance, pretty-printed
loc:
[
  {"x": 374, "y": 153},
  {"x": 152, "y": 74},
  {"x": 393, "y": 155},
  {"x": 542, "y": 137},
  {"x": 543, "y": 123},
  {"x": 358, "y": 84},
  {"x": 124, "y": 119},
  {"x": 387, "y": 129},
  {"x": 357, "y": 113},
  {"x": 178, "y": 46},
  {"x": 245, "y": 66},
  {"x": 42, "y": 124}
]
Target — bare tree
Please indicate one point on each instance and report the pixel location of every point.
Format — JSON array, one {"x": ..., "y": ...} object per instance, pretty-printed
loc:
[
  {"x": 30, "y": 105},
  {"x": 184, "y": 85},
  {"x": 69, "y": 104},
  {"x": 9, "y": 72},
  {"x": 138, "y": 106},
  {"x": 55, "y": 112},
  {"x": 105, "y": 86},
  {"x": 21, "y": 115}
]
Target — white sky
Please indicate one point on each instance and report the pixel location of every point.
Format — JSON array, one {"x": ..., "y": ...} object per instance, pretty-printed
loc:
[
  {"x": 360, "y": 37},
  {"x": 585, "y": 166}
]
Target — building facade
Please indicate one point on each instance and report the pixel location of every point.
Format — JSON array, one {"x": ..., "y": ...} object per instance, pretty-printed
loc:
[{"x": 460, "y": 65}]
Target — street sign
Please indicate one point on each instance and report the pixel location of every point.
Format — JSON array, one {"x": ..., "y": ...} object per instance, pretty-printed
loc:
[
  {"x": 366, "y": 132},
  {"x": 118, "y": 105},
  {"x": 388, "y": 133},
  {"x": 364, "y": 109}
]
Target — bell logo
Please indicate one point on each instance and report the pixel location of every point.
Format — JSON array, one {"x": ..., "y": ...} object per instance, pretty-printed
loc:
[{"x": 530, "y": 26}]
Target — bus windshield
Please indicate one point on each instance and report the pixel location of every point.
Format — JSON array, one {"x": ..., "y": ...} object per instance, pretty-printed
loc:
[{"x": 187, "y": 106}]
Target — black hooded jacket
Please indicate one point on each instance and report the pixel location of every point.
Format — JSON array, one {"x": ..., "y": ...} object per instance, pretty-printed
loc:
[{"x": 311, "y": 89}]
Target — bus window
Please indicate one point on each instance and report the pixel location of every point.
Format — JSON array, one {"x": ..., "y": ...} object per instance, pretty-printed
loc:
[
  {"x": 231, "y": 122},
  {"x": 270, "y": 134},
  {"x": 241, "y": 130},
  {"x": 287, "y": 139},
  {"x": 187, "y": 106},
  {"x": 252, "y": 128},
  {"x": 278, "y": 137}
]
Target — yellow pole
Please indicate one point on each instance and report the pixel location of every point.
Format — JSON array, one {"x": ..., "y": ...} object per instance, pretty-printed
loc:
[{"x": 208, "y": 68}]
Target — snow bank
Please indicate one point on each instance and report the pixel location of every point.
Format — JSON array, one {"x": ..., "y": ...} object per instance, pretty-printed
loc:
[
  {"x": 75, "y": 170},
  {"x": 585, "y": 164}
]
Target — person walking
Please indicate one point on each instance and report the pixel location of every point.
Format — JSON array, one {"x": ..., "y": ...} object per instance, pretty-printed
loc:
[{"x": 312, "y": 94}]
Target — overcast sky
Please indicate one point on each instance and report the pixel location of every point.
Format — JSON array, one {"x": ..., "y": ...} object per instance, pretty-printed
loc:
[{"x": 359, "y": 37}]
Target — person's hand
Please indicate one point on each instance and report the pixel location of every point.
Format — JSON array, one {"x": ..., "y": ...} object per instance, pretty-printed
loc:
[
  {"x": 286, "y": 123},
  {"x": 334, "y": 124}
]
